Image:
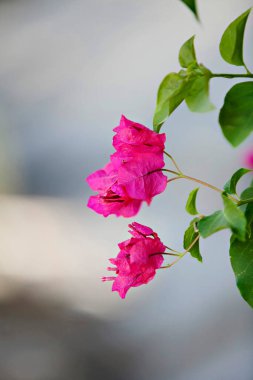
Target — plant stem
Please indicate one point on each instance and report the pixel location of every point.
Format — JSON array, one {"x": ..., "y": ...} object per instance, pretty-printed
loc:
[
  {"x": 171, "y": 254},
  {"x": 246, "y": 68},
  {"x": 231, "y": 76},
  {"x": 170, "y": 171},
  {"x": 245, "y": 201},
  {"x": 211, "y": 187},
  {"x": 202, "y": 183},
  {"x": 173, "y": 179},
  {"x": 170, "y": 249},
  {"x": 174, "y": 262},
  {"x": 181, "y": 175},
  {"x": 165, "y": 253},
  {"x": 182, "y": 254},
  {"x": 174, "y": 162}
]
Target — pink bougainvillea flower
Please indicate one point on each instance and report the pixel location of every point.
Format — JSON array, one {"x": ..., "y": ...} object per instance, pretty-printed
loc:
[
  {"x": 138, "y": 259},
  {"x": 134, "y": 173},
  {"x": 142, "y": 177},
  {"x": 135, "y": 135},
  {"x": 249, "y": 159},
  {"x": 112, "y": 198}
]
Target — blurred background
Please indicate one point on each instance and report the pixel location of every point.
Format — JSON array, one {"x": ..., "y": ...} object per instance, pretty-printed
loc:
[{"x": 68, "y": 70}]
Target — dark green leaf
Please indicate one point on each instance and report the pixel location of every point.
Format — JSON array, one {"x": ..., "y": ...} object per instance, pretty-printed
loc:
[
  {"x": 192, "y": 5},
  {"x": 189, "y": 236},
  {"x": 247, "y": 193},
  {"x": 230, "y": 186},
  {"x": 235, "y": 218},
  {"x": 249, "y": 217},
  {"x": 231, "y": 45},
  {"x": 191, "y": 202},
  {"x": 241, "y": 256},
  {"x": 197, "y": 98},
  {"x": 248, "y": 209},
  {"x": 171, "y": 93},
  {"x": 212, "y": 223},
  {"x": 187, "y": 54},
  {"x": 236, "y": 115}
]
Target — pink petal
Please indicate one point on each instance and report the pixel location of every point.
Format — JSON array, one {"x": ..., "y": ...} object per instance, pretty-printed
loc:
[
  {"x": 129, "y": 132},
  {"x": 139, "y": 180},
  {"x": 140, "y": 229},
  {"x": 127, "y": 208},
  {"x": 102, "y": 179},
  {"x": 122, "y": 284}
]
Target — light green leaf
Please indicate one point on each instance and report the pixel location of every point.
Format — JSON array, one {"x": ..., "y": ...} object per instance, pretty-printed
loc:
[
  {"x": 241, "y": 256},
  {"x": 171, "y": 93},
  {"x": 230, "y": 186},
  {"x": 197, "y": 98},
  {"x": 191, "y": 202},
  {"x": 187, "y": 55},
  {"x": 231, "y": 45},
  {"x": 189, "y": 236},
  {"x": 192, "y": 5},
  {"x": 235, "y": 218},
  {"x": 236, "y": 115},
  {"x": 212, "y": 223}
]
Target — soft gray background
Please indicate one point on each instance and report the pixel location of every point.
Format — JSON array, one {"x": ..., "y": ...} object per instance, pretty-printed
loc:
[{"x": 68, "y": 70}]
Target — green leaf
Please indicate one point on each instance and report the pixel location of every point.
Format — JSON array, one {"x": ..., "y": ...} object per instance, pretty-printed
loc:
[
  {"x": 230, "y": 186},
  {"x": 212, "y": 223},
  {"x": 249, "y": 217},
  {"x": 197, "y": 98},
  {"x": 236, "y": 115},
  {"x": 189, "y": 236},
  {"x": 248, "y": 209},
  {"x": 171, "y": 93},
  {"x": 231, "y": 44},
  {"x": 247, "y": 193},
  {"x": 192, "y": 5},
  {"x": 241, "y": 256},
  {"x": 235, "y": 218},
  {"x": 187, "y": 55},
  {"x": 191, "y": 202}
]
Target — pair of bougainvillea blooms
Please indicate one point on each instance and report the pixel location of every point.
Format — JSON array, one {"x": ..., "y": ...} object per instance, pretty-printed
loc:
[
  {"x": 138, "y": 259},
  {"x": 133, "y": 174}
]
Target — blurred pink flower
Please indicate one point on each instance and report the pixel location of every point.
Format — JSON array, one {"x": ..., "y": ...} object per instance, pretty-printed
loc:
[
  {"x": 138, "y": 259},
  {"x": 249, "y": 159},
  {"x": 133, "y": 174}
]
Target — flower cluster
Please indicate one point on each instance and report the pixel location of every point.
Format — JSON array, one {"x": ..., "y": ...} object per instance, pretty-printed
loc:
[
  {"x": 133, "y": 174},
  {"x": 138, "y": 259}
]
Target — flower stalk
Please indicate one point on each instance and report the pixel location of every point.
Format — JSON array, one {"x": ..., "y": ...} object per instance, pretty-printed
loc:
[
  {"x": 181, "y": 175},
  {"x": 232, "y": 76},
  {"x": 180, "y": 256}
]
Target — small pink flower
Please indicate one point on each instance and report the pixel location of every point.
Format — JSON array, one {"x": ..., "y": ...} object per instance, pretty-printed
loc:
[
  {"x": 138, "y": 259},
  {"x": 249, "y": 159},
  {"x": 133, "y": 174}
]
